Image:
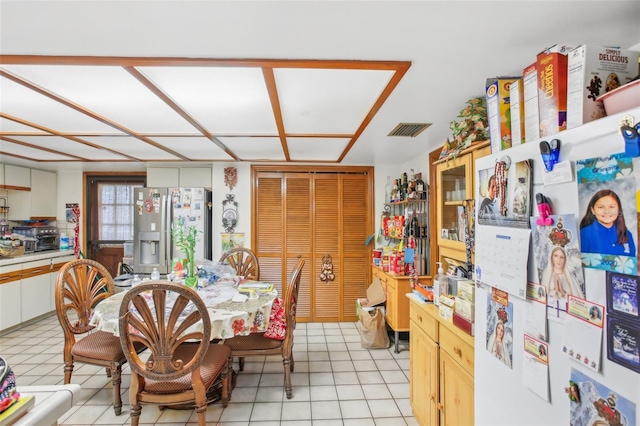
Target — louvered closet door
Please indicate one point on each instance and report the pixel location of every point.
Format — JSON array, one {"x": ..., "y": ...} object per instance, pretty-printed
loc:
[{"x": 310, "y": 215}]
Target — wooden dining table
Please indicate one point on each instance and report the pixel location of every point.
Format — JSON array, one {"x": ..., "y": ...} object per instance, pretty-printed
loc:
[{"x": 229, "y": 315}]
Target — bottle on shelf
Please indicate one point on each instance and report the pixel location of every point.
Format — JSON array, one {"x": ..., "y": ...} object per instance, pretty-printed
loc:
[
  {"x": 420, "y": 188},
  {"x": 437, "y": 284},
  {"x": 415, "y": 226},
  {"x": 155, "y": 274}
]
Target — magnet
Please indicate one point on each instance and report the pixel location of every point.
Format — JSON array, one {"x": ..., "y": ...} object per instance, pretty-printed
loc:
[
  {"x": 550, "y": 152},
  {"x": 544, "y": 209}
]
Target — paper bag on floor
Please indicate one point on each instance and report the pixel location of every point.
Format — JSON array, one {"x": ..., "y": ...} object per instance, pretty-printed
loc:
[{"x": 373, "y": 330}]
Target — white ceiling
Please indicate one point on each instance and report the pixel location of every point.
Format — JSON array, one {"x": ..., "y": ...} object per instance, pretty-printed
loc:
[{"x": 112, "y": 85}]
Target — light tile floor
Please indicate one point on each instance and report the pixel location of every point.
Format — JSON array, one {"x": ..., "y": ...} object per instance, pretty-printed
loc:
[{"x": 336, "y": 382}]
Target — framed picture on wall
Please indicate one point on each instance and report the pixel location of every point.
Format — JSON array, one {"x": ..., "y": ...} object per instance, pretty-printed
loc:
[{"x": 622, "y": 295}]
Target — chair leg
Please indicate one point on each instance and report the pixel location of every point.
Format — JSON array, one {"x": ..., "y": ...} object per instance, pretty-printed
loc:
[
  {"x": 287, "y": 377},
  {"x": 108, "y": 372},
  {"x": 293, "y": 362},
  {"x": 225, "y": 375},
  {"x": 135, "y": 414},
  {"x": 68, "y": 370},
  {"x": 116, "y": 371},
  {"x": 241, "y": 363}
]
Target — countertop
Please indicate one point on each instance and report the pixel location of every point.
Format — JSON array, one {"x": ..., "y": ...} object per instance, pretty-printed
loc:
[{"x": 5, "y": 261}]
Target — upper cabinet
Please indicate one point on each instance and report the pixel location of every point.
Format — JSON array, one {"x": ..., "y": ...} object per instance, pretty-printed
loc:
[
  {"x": 40, "y": 202},
  {"x": 16, "y": 177},
  {"x": 455, "y": 193},
  {"x": 161, "y": 177}
]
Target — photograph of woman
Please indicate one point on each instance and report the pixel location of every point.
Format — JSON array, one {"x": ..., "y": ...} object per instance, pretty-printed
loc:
[
  {"x": 558, "y": 279},
  {"x": 603, "y": 229},
  {"x": 500, "y": 331},
  {"x": 559, "y": 263}
]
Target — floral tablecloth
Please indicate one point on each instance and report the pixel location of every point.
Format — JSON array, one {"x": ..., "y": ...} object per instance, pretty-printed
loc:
[{"x": 228, "y": 317}]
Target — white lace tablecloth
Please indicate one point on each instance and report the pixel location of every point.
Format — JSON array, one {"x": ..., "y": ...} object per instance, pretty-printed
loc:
[{"x": 228, "y": 317}]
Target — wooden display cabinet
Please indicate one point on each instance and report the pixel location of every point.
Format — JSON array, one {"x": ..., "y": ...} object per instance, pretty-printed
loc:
[
  {"x": 455, "y": 185},
  {"x": 441, "y": 367}
]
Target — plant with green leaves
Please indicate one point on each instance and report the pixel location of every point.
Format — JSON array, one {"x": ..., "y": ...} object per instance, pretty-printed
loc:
[
  {"x": 185, "y": 238},
  {"x": 473, "y": 125}
]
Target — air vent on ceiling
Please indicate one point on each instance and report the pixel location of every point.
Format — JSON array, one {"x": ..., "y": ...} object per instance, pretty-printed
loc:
[{"x": 409, "y": 129}]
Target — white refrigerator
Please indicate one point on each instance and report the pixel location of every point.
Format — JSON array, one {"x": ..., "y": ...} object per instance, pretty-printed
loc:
[
  {"x": 156, "y": 210},
  {"x": 501, "y": 395}
]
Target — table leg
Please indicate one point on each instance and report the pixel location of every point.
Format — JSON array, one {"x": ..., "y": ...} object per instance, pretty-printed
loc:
[{"x": 396, "y": 342}]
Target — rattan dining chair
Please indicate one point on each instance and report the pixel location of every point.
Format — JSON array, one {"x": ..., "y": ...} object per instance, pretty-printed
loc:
[
  {"x": 244, "y": 261},
  {"x": 81, "y": 284},
  {"x": 256, "y": 344},
  {"x": 164, "y": 316}
]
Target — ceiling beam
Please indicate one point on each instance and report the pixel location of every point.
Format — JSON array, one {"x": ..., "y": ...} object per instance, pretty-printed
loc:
[{"x": 270, "y": 81}]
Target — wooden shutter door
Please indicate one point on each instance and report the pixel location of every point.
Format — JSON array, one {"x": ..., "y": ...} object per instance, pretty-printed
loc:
[{"x": 310, "y": 215}]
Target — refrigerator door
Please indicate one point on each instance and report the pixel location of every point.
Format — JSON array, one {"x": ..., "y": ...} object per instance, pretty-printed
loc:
[
  {"x": 193, "y": 205},
  {"x": 150, "y": 246}
]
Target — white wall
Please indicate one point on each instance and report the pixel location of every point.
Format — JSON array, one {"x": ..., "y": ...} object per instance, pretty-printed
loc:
[{"x": 69, "y": 191}]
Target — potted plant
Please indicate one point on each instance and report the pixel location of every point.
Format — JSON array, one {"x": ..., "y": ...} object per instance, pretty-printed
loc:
[
  {"x": 473, "y": 126},
  {"x": 185, "y": 238}
]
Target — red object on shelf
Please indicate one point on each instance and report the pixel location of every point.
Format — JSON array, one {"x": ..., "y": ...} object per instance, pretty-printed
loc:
[{"x": 464, "y": 324}]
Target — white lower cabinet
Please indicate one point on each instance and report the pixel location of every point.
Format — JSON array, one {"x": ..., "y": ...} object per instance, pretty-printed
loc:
[
  {"x": 36, "y": 289},
  {"x": 10, "y": 306}
]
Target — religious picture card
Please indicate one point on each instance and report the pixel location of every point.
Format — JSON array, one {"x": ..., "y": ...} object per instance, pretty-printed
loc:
[
  {"x": 500, "y": 326},
  {"x": 583, "y": 332},
  {"x": 608, "y": 213},
  {"x": 594, "y": 404},
  {"x": 559, "y": 265},
  {"x": 535, "y": 368},
  {"x": 504, "y": 196},
  {"x": 623, "y": 343},
  {"x": 622, "y": 296}
]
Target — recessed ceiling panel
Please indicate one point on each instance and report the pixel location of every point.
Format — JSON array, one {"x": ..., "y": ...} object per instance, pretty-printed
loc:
[
  {"x": 13, "y": 126},
  {"x": 255, "y": 149},
  {"x": 223, "y": 100},
  {"x": 196, "y": 148},
  {"x": 28, "y": 105},
  {"x": 31, "y": 153},
  {"x": 328, "y": 101},
  {"x": 316, "y": 149},
  {"x": 110, "y": 92},
  {"x": 131, "y": 146},
  {"x": 58, "y": 143}
]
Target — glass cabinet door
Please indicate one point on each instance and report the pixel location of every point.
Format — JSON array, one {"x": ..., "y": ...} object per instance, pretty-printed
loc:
[{"x": 455, "y": 186}]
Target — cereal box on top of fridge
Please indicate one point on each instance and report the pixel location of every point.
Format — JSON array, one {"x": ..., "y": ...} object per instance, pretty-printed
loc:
[
  {"x": 593, "y": 71},
  {"x": 516, "y": 98},
  {"x": 531, "y": 117},
  {"x": 499, "y": 112},
  {"x": 551, "y": 65}
]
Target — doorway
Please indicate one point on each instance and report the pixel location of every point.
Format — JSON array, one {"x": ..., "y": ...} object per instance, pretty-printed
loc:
[
  {"x": 313, "y": 213},
  {"x": 109, "y": 207}
]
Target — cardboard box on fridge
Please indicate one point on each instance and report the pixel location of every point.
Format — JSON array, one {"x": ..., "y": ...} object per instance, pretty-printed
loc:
[
  {"x": 593, "y": 71},
  {"x": 551, "y": 66},
  {"x": 530, "y": 95},
  {"x": 499, "y": 112},
  {"x": 516, "y": 99}
]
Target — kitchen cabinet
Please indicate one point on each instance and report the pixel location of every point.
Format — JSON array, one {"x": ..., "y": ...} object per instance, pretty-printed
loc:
[
  {"x": 455, "y": 183},
  {"x": 397, "y": 305},
  {"x": 184, "y": 177},
  {"x": 40, "y": 202},
  {"x": 10, "y": 296},
  {"x": 16, "y": 177},
  {"x": 27, "y": 287},
  {"x": 44, "y": 193},
  {"x": 441, "y": 368},
  {"x": 36, "y": 289}
]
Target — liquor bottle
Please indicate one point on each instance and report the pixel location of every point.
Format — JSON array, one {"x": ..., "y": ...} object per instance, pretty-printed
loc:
[
  {"x": 420, "y": 187},
  {"x": 415, "y": 226},
  {"x": 405, "y": 185},
  {"x": 395, "y": 196}
]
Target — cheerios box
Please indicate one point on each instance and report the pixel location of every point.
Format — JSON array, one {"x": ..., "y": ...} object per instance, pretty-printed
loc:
[
  {"x": 593, "y": 71},
  {"x": 499, "y": 112},
  {"x": 551, "y": 65}
]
